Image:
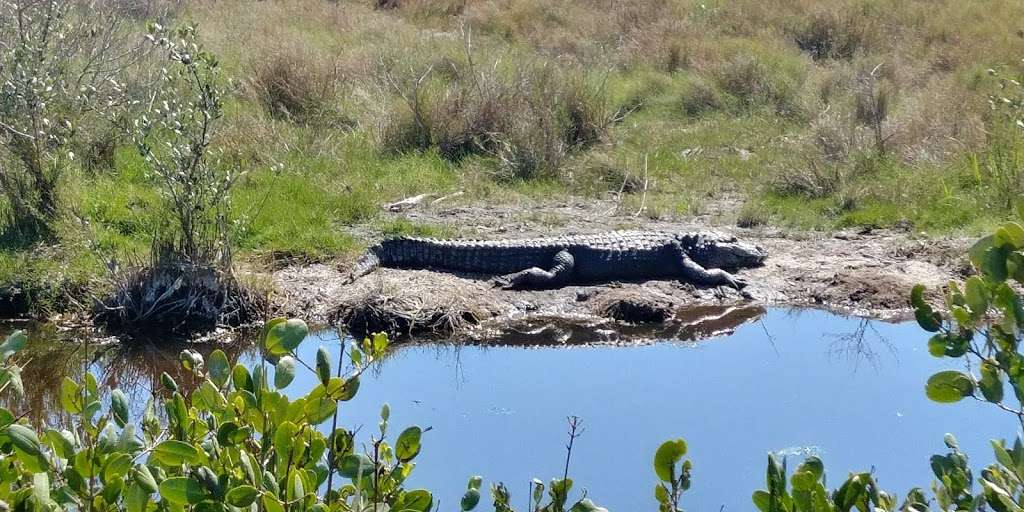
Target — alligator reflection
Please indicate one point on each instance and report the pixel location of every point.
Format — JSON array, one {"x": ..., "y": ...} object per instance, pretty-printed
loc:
[
  {"x": 135, "y": 369},
  {"x": 688, "y": 325}
]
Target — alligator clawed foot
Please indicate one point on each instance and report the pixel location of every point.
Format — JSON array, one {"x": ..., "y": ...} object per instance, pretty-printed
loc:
[{"x": 499, "y": 282}]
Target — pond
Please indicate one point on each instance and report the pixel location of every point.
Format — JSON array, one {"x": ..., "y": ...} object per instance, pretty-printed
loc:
[{"x": 791, "y": 382}]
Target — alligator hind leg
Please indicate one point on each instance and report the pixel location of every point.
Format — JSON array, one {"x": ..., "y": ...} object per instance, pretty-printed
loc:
[
  {"x": 537, "y": 277},
  {"x": 696, "y": 274}
]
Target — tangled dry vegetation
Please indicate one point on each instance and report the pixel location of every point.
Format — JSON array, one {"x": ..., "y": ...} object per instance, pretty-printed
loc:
[{"x": 405, "y": 305}]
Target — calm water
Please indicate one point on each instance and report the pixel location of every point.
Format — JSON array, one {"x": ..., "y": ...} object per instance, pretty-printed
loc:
[{"x": 803, "y": 382}]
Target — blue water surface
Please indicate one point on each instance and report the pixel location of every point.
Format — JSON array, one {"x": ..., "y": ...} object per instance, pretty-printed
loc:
[{"x": 795, "y": 383}]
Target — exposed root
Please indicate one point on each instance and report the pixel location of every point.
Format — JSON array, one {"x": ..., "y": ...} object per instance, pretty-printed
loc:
[
  {"x": 405, "y": 307},
  {"x": 177, "y": 297}
]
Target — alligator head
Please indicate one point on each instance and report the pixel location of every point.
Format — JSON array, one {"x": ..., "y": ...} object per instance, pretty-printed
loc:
[{"x": 715, "y": 250}]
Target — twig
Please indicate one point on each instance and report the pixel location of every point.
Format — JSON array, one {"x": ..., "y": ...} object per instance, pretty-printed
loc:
[
  {"x": 643, "y": 198},
  {"x": 575, "y": 430}
]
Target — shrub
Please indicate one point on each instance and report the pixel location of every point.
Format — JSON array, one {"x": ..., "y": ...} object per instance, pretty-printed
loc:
[
  {"x": 176, "y": 137},
  {"x": 189, "y": 283}
]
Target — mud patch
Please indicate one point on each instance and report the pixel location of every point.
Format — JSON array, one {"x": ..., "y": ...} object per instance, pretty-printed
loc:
[{"x": 861, "y": 273}]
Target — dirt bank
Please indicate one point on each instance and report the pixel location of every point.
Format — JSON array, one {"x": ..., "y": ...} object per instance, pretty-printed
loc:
[{"x": 867, "y": 273}]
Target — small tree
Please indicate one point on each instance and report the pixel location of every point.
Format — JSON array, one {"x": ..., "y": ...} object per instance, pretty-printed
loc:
[
  {"x": 60, "y": 63},
  {"x": 188, "y": 285},
  {"x": 175, "y": 135}
]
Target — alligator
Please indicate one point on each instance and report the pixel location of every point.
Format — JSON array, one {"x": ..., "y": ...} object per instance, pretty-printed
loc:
[{"x": 700, "y": 258}]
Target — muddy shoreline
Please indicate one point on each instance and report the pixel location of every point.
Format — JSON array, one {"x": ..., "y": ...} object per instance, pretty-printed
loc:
[{"x": 865, "y": 273}]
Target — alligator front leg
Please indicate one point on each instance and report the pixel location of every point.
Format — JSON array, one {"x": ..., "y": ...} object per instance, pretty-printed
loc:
[
  {"x": 696, "y": 274},
  {"x": 536, "y": 277}
]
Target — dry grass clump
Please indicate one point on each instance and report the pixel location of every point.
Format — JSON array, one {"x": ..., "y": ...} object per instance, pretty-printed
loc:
[
  {"x": 700, "y": 97},
  {"x": 836, "y": 32},
  {"x": 812, "y": 180},
  {"x": 406, "y": 306},
  {"x": 297, "y": 85},
  {"x": 530, "y": 118},
  {"x": 752, "y": 75},
  {"x": 174, "y": 296}
]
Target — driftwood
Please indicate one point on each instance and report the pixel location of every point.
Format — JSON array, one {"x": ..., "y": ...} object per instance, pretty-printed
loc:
[
  {"x": 414, "y": 201},
  {"x": 408, "y": 203}
]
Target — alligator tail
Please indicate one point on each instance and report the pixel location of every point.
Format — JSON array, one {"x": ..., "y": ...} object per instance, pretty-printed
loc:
[{"x": 366, "y": 264}]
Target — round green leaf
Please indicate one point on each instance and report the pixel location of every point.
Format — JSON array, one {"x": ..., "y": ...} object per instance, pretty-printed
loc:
[
  {"x": 142, "y": 476},
  {"x": 323, "y": 365},
  {"x": 229, "y": 433},
  {"x": 62, "y": 442},
  {"x": 182, "y": 490},
  {"x": 319, "y": 409},
  {"x": 949, "y": 386},
  {"x": 1010, "y": 234},
  {"x": 24, "y": 439},
  {"x": 661, "y": 494},
  {"x": 41, "y": 489},
  {"x": 70, "y": 396},
  {"x": 115, "y": 467},
  {"x": 271, "y": 504},
  {"x": 119, "y": 407},
  {"x": 283, "y": 337},
  {"x": 241, "y": 379},
  {"x": 242, "y": 496},
  {"x": 416, "y": 500},
  {"x": 355, "y": 464},
  {"x": 173, "y": 453},
  {"x": 665, "y": 459},
  {"x": 991, "y": 383},
  {"x": 470, "y": 499},
  {"x": 284, "y": 372},
  {"x": 928, "y": 319},
  {"x": 168, "y": 382},
  {"x": 977, "y": 296},
  {"x": 14, "y": 342},
  {"x": 408, "y": 445},
  {"x": 219, "y": 368},
  {"x": 341, "y": 389}
]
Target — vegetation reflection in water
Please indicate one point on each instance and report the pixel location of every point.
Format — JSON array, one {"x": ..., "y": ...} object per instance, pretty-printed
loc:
[{"x": 790, "y": 382}]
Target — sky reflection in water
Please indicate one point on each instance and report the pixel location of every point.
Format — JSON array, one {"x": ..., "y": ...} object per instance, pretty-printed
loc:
[{"x": 796, "y": 383}]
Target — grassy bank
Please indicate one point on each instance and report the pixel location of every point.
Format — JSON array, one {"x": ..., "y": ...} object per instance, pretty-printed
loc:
[{"x": 804, "y": 114}]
